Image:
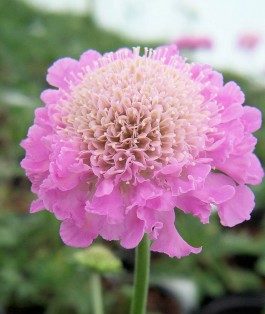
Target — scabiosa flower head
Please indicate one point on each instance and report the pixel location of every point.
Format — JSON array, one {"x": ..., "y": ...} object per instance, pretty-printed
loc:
[
  {"x": 125, "y": 138},
  {"x": 194, "y": 42}
]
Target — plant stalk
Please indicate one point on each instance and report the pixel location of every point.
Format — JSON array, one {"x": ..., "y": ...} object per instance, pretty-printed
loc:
[
  {"x": 96, "y": 289},
  {"x": 141, "y": 277}
]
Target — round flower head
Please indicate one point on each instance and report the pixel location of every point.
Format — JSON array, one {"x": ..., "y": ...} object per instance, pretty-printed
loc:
[{"x": 125, "y": 138}]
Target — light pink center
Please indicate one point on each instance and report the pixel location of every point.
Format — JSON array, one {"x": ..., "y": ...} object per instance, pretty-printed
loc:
[{"x": 137, "y": 112}]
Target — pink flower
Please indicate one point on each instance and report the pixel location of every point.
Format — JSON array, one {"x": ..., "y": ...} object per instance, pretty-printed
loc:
[
  {"x": 194, "y": 42},
  {"x": 123, "y": 139},
  {"x": 248, "y": 41}
]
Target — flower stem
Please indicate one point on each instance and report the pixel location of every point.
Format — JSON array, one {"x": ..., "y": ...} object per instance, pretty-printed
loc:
[
  {"x": 96, "y": 293},
  {"x": 141, "y": 277}
]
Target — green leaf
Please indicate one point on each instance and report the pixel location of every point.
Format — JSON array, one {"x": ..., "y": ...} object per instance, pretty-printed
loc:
[{"x": 260, "y": 266}]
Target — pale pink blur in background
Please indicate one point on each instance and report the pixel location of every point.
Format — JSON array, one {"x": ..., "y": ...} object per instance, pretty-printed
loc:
[
  {"x": 194, "y": 42},
  {"x": 249, "y": 41}
]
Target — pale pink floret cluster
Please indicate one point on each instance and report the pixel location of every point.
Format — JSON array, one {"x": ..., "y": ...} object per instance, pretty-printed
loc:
[{"x": 126, "y": 138}]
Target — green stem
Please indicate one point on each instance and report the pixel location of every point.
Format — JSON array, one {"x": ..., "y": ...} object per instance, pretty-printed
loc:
[
  {"x": 141, "y": 277},
  {"x": 96, "y": 293}
]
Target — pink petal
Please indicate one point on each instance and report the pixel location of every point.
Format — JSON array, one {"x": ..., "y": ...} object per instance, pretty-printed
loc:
[
  {"x": 167, "y": 52},
  {"x": 217, "y": 189},
  {"x": 121, "y": 53},
  {"x": 151, "y": 221},
  {"x": 172, "y": 169},
  {"x": 255, "y": 171},
  {"x": 74, "y": 235},
  {"x": 232, "y": 112},
  {"x": 64, "y": 204},
  {"x": 111, "y": 232},
  {"x": 162, "y": 202},
  {"x": 66, "y": 168},
  {"x": 231, "y": 94},
  {"x": 63, "y": 72},
  {"x": 232, "y": 134},
  {"x": 37, "y": 206},
  {"x": 37, "y": 152},
  {"x": 50, "y": 96},
  {"x": 42, "y": 119},
  {"x": 247, "y": 145},
  {"x": 231, "y": 98},
  {"x": 134, "y": 231},
  {"x": 110, "y": 205},
  {"x": 169, "y": 241},
  {"x": 212, "y": 80},
  {"x": 148, "y": 190},
  {"x": 251, "y": 119},
  {"x": 89, "y": 59},
  {"x": 191, "y": 177},
  {"x": 192, "y": 205},
  {"x": 105, "y": 187},
  {"x": 244, "y": 169},
  {"x": 237, "y": 209},
  {"x": 198, "y": 173}
]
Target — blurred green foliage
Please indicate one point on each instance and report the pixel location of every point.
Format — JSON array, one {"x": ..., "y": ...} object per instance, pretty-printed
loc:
[
  {"x": 232, "y": 261},
  {"x": 35, "y": 268}
]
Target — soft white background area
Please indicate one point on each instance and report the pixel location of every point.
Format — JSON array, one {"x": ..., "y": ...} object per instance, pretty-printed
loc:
[{"x": 165, "y": 20}]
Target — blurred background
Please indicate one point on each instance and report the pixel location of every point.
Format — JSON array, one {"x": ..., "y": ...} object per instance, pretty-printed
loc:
[{"x": 38, "y": 274}]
